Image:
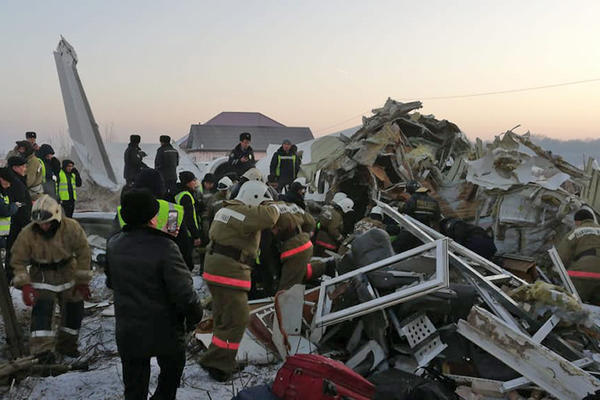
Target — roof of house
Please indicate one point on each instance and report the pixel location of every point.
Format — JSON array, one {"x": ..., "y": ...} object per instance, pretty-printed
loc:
[
  {"x": 242, "y": 119},
  {"x": 226, "y": 137}
]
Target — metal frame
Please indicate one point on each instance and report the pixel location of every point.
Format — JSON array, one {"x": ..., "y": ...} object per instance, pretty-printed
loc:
[
  {"x": 439, "y": 280},
  {"x": 560, "y": 269}
]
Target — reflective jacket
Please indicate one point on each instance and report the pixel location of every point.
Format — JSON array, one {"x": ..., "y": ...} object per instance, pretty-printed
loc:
[
  {"x": 188, "y": 201},
  {"x": 236, "y": 227},
  {"x": 7, "y": 210},
  {"x": 66, "y": 184},
  {"x": 285, "y": 165},
  {"x": 162, "y": 218}
]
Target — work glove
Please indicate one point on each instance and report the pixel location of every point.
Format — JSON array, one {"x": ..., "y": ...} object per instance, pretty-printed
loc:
[
  {"x": 83, "y": 290},
  {"x": 29, "y": 295}
]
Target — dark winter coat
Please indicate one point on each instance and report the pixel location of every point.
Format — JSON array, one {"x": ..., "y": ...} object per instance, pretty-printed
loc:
[
  {"x": 235, "y": 159},
  {"x": 153, "y": 292},
  {"x": 133, "y": 162},
  {"x": 52, "y": 165},
  {"x": 285, "y": 165},
  {"x": 17, "y": 192},
  {"x": 166, "y": 162},
  {"x": 188, "y": 212},
  {"x": 293, "y": 197}
]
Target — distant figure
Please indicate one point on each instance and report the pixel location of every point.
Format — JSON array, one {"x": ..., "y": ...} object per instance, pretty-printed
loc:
[
  {"x": 133, "y": 160},
  {"x": 423, "y": 207},
  {"x": 31, "y": 137},
  {"x": 285, "y": 164},
  {"x": 166, "y": 162},
  {"x": 8, "y": 208},
  {"x": 473, "y": 237},
  {"x": 68, "y": 180},
  {"x": 241, "y": 158},
  {"x": 51, "y": 169},
  {"x": 35, "y": 169}
]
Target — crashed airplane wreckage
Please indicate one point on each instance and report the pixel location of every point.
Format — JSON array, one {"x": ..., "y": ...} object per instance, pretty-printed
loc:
[{"x": 438, "y": 319}]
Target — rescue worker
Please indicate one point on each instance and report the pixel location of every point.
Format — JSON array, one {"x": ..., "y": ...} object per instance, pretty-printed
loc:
[
  {"x": 296, "y": 249},
  {"x": 133, "y": 160},
  {"x": 208, "y": 186},
  {"x": 186, "y": 197},
  {"x": 580, "y": 254},
  {"x": 18, "y": 193},
  {"x": 423, "y": 207},
  {"x": 373, "y": 220},
  {"x": 285, "y": 164},
  {"x": 7, "y": 208},
  {"x": 252, "y": 174},
  {"x": 331, "y": 225},
  {"x": 216, "y": 202},
  {"x": 68, "y": 180},
  {"x": 51, "y": 261},
  {"x": 166, "y": 162},
  {"x": 31, "y": 137},
  {"x": 234, "y": 241},
  {"x": 241, "y": 158},
  {"x": 35, "y": 170},
  {"x": 471, "y": 236},
  {"x": 155, "y": 302},
  {"x": 52, "y": 169}
]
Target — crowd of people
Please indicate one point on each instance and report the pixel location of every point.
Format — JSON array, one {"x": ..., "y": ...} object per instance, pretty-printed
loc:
[{"x": 250, "y": 236}]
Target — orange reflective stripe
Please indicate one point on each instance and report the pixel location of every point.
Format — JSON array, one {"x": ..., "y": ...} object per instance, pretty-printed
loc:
[
  {"x": 224, "y": 344},
  {"x": 583, "y": 274},
  {"x": 326, "y": 245},
  {"x": 308, "y": 271},
  {"x": 297, "y": 250},
  {"x": 227, "y": 281}
]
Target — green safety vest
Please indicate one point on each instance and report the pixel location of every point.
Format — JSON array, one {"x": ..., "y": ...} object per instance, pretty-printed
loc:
[
  {"x": 43, "y": 170},
  {"x": 279, "y": 158},
  {"x": 179, "y": 197},
  {"x": 163, "y": 215},
  {"x": 4, "y": 221},
  {"x": 62, "y": 186}
]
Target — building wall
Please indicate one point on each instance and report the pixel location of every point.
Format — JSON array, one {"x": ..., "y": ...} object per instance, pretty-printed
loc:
[{"x": 208, "y": 156}]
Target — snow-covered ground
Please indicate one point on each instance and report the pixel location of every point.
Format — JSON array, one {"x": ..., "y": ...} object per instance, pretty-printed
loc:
[{"x": 103, "y": 380}]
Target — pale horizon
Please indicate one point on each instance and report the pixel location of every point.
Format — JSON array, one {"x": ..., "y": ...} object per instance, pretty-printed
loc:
[{"x": 157, "y": 68}]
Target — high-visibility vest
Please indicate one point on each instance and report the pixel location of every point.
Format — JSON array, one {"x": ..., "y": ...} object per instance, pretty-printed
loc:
[
  {"x": 279, "y": 158},
  {"x": 43, "y": 170},
  {"x": 163, "y": 215},
  {"x": 62, "y": 186},
  {"x": 179, "y": 196},
  {"x": 4, "y": 221}
]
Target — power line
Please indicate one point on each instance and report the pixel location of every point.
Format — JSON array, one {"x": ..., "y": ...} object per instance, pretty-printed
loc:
[{"x": 462, "y": 96}]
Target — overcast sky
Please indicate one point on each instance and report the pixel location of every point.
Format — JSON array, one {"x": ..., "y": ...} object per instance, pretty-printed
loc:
[{"x": 155, "y": 67}]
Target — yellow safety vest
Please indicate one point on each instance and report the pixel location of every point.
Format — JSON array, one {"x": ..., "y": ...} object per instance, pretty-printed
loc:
[
  {"x": 62, "y": 186},
  {"x": 43, "y": 170},
  {"x": 163, "y": 215},
  {"x": 4, "y": 221},
  {"x": 179, "y": 197},
  {"x": 279, "y": 158}
]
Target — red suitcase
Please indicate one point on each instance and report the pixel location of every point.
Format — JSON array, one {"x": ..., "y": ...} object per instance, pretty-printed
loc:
[{"x": 314, "y": 377}]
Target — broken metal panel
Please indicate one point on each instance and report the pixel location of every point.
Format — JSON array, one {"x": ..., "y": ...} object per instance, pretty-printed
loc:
[
  {"x": 545, "y": 368},
  {"x": 560, "y": 269},
  {"x": 369, "y": 351},
  {"x": 437, "y": 281},
  {"x": 83, "y": 129}
]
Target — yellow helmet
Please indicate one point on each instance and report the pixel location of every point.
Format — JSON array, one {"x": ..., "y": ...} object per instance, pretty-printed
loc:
[{"x": 46, "y": 209}]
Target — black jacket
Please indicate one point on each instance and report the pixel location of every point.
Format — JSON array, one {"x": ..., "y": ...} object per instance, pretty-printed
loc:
[
  {"x": 133, "y": 162},
  {"x": 17, "y": 192},
  {"x": 52, "y": 165},
  {"x": 293, "y": 197},
  {"x": 153, "y": 292},
  {"x": 235, "y": 159},
  {"x": 7, "y": 210},
  {"x": 166, "y": 162},
  {"x": 423, "y": 208},
  {"x": 188, "y": 212},
  {"x": 289, "y": 165}
]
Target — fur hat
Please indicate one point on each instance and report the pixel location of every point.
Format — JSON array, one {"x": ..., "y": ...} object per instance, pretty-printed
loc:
[
  {"x": 135, "y": 139},
  {"x": 138, "y": 207},
  {"x": 32, "y": 135},
  {"x": 209, "y": 178},
  {"x": 245, "y": 136},
  {"x": 186, "y": 177},
  {"x": 165, "y": 139},
  {"x": 6, "y": 175},
  {"x": 16, "y": 161},
  {"x": 150, "y": 179}
]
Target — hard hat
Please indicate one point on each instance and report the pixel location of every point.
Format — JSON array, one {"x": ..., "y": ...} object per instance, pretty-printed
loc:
[
  {"x": 412, "y": 186},
  {"x": 253, "y": 174},
  {"x": 346, "y": 204},
  {"x": 46, "y": 209},
  {"x": 224, "y": 183},
  {"x": 338, "y": 196},
  {"x": 377, "y": 210},
  {"x": 253, "y": 193}
]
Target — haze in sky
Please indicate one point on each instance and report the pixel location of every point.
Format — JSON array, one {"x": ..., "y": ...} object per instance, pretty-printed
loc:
[{"x": 155, "y": 67}]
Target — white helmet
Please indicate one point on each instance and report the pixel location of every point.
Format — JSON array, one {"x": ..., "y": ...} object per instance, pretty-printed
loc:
[
  {"x": 224, "y": 183},
  {"x": 253, "y": 174},
  {"x": 346, "y": 204},
  {"x": 338, "y": 197},
  {"x": 377, "y": 210},
  {"x": 253, "y": 193},
  {"x": 45, "y": 209}
]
